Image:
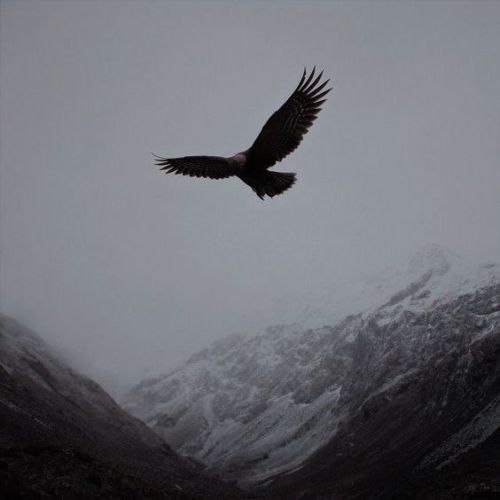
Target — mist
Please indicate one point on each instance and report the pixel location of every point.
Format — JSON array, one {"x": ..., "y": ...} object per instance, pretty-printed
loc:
[{"x": 129, "y": 271}]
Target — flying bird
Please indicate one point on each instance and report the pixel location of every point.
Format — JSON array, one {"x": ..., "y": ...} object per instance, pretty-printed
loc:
[{"x": 280, "y": 136}]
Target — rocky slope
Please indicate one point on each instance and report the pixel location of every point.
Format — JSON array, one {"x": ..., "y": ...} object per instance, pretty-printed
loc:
[
  {"x": 422, "y": 395},
  {"x": 404, "y": 390},
  {"x": 62, "y": 436}
]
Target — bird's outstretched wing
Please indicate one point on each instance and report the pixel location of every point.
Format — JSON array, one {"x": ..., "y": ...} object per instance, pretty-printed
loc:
[
  {"x": 213, "y": 167},
  {"x": 285, "y": 129}
]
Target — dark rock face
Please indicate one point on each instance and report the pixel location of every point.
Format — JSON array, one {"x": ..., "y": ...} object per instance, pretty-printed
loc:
[
  {"x": 399, "y": 402},
  {"x": 62, "y": 436}
]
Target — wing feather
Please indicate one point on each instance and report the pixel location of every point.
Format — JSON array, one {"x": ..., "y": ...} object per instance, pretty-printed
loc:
[
  {"x": 212, "y": 167},
  {"x": 284, "y": 130}
]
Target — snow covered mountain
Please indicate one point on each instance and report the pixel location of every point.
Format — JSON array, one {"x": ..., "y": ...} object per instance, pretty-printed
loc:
[
  {"x": 448, "y": 275},
  {"x": 404, "y": 380},
  {"x": 62, "y": 436}
]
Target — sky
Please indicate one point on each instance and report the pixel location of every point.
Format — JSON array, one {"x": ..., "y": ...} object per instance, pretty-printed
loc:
[{"x": 128, "y": 271}]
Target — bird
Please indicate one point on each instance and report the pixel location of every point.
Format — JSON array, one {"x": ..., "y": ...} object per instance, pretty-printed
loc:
[{"x": 280, "y": 136}]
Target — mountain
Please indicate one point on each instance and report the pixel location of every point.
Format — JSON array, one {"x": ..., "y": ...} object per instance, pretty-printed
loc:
[
  {"x": 448, "y": 274},
  {"x": 62, "y": 436},
  {"x": 398, "y": 394}
]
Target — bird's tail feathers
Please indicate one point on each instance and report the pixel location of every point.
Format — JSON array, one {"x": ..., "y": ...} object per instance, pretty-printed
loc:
[{"x": 273, "y": 183}]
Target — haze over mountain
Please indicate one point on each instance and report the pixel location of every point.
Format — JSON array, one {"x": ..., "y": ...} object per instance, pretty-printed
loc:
[
  {"x": 62, "y": 436},
  {"x": 128, "y": 271}
]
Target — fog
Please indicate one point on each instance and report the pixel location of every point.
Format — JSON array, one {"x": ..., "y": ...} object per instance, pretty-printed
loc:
[{"x": 129, "y": 271}]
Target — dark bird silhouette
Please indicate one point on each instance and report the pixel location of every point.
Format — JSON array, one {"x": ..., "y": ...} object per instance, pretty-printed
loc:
[{"x": 281, "y": 135}]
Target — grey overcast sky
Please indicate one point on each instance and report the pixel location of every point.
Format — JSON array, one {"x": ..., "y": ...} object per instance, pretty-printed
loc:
[{"x": 129, "y": 270}]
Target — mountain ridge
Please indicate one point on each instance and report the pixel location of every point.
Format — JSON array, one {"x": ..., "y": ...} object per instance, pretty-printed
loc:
[
  {"x": 62, "y": 435},
  {"x": 256, "y": 409}
]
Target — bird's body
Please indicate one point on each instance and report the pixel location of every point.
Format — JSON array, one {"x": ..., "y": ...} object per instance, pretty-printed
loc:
[{"x": 281, "y": 135}]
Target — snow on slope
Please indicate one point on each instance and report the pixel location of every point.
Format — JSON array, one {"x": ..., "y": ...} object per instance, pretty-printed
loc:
[
  {"x": 439, "y": 273},
  {"x": 238, "y": 395},
  {"x": 253, "y": 407}
]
